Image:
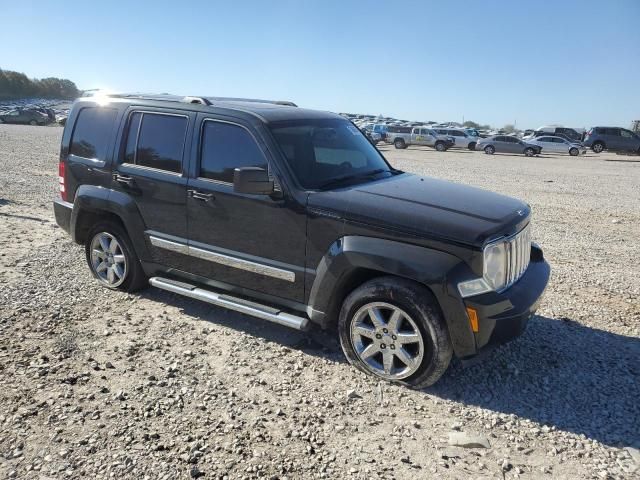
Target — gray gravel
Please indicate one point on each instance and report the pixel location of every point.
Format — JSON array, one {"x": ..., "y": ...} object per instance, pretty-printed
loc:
[{"x": 108, "y": 385}]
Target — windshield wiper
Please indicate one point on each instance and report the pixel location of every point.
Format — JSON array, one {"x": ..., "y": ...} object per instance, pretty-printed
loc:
[{"x": 346, "y": 178}]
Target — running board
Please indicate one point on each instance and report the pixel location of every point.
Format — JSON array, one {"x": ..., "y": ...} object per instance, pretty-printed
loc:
[{"x": 232, "y": 303}]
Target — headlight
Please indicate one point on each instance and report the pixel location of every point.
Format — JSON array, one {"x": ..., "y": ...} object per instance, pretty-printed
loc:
[{"x": 495, "y": 265}]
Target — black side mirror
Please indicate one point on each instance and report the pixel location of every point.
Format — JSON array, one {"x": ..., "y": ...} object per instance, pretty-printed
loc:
[{"x": 252, "y": 180}]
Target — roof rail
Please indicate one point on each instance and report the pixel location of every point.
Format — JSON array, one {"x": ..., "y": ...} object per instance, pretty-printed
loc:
[{"x": 167, "y": 97}]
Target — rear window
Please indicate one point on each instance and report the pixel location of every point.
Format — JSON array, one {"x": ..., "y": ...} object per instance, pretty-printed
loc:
[
  {"x": 92, "y": 132},
  {"x": 156, "y": 141}
]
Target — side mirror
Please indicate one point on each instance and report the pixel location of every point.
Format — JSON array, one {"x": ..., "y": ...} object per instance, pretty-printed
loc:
[{"x": 252, "y": 180}]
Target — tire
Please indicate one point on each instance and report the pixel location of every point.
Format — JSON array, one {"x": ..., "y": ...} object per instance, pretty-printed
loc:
[
  {"x": 472, "y": 146},
  {"x": 574, "y": 152},
  {"x": 1, "y": 121},
  {"x": 489, "y": 150},
  {"x": 597, "y": 147},
  {"x": 399, "y": 144},
  {"x": 441, "y": 147},
  {"x": 33, "y": 123},
  {"x": 132, "y": 276},
  {"x": 529, "y": 152},
  {"x": 420, "y": 318}
]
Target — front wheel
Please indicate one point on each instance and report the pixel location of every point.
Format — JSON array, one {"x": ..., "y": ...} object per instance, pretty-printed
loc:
[
  {"x": 489, "y": 150},
  {"x": 574, "y": 152},
  {"x": 33, "y": 123},
  {"x": 472, "y": 146},
  {"x": 441, "y": 147},
  {"x": 529, "y": 152},
  {"x": 392, "y": 328},
  {"x": 399, "y": 144},
  {"x": 112, "y": 259}
]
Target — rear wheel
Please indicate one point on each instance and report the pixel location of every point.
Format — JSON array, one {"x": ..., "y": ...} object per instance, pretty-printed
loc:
[
  {"x": 489, "y": 150},
  {"x": 597, "y": 147},
  {"x": 441, "y": 147},
  {"x": 33, "y": 123},
  {"x": 529, "y": 152},
  {"x": 399, "y": 143},
  {"x": 112, "y": 259},
  {"x": 392, "y": 328},
  {"x": 574, "y": 152}
]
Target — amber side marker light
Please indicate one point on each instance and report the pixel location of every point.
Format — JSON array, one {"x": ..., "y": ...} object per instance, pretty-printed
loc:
[{"x": 473, "y": 319}]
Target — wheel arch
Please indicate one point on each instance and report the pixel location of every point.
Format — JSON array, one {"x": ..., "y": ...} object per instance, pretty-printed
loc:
[{"x": 353, "y": 260}]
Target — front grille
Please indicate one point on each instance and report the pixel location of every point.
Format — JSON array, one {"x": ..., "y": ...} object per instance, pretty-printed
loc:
[{"x": 518, "y": 250}]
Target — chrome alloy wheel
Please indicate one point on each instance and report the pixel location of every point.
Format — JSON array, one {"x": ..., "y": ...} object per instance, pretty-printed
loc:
[
  {"x": 387, "y": 340},
  {"x": 108, "y": 259}
]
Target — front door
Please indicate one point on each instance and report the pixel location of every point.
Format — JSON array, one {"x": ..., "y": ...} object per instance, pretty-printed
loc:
[
  {"x": 151, "y": 170},
  {"x": 253, "y": 242}
]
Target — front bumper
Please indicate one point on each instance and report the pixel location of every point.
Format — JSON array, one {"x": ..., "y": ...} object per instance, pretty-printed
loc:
[
  {"x": 504, "y": 316},
  {"x": 62, "y": 211}
]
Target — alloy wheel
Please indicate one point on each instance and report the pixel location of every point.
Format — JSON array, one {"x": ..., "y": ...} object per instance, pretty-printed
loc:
[
  {"x": 387, "y": 340},
  {"x": 108, "y": 259}
]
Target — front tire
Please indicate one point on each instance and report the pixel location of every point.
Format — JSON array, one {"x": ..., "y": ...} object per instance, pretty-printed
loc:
[
  {"x": 529, "y": 152},
  {"x": 441, "y": 147},
  {"x": 33, "y": 123},
  {"x": 392, "y": 328},
  {"x": 112, "y": 258},
  {"x": 574, "y": 152},
  {"x": 597, "y": 147},
  {"x": 489, "y": 150},
  {"x": 472, "y": 146},
  {"x": 399, "y": 144}
]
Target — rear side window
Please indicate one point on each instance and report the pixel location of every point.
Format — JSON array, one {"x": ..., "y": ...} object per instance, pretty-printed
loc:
[
  {"x": 156, "y": 141},
  {"x": 91, "y": 133},
  {"x": 226, "y": 147}
]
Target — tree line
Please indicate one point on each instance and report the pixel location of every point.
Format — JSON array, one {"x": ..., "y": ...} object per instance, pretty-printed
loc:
[{"x": 14, "y": 85}]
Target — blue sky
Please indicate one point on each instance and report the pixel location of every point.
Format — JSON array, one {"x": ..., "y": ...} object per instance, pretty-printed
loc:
[{"x": 570, "y": 62}]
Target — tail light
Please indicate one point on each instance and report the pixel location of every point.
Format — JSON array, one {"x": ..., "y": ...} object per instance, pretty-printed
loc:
[{"x": 62, "y": 180}]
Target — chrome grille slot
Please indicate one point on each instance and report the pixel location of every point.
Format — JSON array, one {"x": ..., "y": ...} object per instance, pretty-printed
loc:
[{"x": 518, "y": 255}]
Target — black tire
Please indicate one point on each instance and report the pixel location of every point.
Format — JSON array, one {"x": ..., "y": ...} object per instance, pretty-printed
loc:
[
  {"x": 1, "y": 120},
  {"x": 419, "y": 303},
  {"x": 529, "y": 152},
  {"x": 489, "y": 150},
  {"x": 598, "y": 147},
  {"x": 399, "y": 143},
  {"x": 135, "y": 278},
  {"x": 574, "y": 152},
  {"x": 472, "y": 146},
  {"x": 33, "y": 123},
  {"x": 441, "y": 147}
]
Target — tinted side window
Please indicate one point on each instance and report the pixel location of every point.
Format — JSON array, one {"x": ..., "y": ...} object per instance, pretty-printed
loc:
[
  {"x": 92, "y": 132},
  {"x": 156, "y": 141},
  {"x": 226, "y": 147}
]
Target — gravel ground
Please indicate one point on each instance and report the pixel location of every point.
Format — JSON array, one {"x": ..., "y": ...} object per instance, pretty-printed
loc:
[{"x": 109, "y": 385}]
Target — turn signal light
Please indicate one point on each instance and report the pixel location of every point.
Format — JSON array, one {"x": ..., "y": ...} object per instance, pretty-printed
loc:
[{"x": 473, "y": 319}]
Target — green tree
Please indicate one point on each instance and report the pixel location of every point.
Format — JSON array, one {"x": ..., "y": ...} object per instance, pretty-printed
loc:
[{"x": 15, "y": 85}]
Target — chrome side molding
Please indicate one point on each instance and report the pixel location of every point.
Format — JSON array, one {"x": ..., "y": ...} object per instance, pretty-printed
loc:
[{"x": 232, "y": 303}]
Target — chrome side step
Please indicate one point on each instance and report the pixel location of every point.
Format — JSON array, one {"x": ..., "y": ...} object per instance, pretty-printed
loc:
[{"x": 232, "y": 303}]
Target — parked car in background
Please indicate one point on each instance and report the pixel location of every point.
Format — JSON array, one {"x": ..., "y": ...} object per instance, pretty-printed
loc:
[
  {"x": 537, "y": 134},
  {"x": 25, "y": 117},
  {"x": 615, "y": 139},
  {"x": 558, "y": 145},
  {"x": 507, "y": 144},
  {"x": 402, "y": 137},
  {"x": 463, "y": 139},
  {"x": 378, "y": 128},
  {"x": 572, "y": 134}
]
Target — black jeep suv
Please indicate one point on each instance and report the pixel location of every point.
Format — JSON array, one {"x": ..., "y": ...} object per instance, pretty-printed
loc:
[{"x": 293, "y": 216}]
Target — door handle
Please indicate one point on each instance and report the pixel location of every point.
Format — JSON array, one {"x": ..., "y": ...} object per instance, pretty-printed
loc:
[
  {"x": 205, "y": 197},
  {"x": 123, "y": 179}
]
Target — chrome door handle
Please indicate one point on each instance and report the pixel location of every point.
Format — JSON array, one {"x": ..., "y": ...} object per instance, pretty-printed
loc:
[
  {"x": 123, "y": 179},
  {"x": 205, "y": 197}
]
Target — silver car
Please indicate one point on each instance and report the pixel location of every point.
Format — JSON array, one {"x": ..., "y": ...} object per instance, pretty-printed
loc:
[
  {"x": 507, "y": 144},
  {"x": 558, "y": 145}
]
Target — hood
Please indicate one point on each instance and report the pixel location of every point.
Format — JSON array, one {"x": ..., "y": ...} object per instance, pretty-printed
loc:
[{"x": 427, "y": 207}]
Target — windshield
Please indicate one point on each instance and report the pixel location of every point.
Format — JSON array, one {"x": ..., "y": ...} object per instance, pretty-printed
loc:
[{"x": 326, "y": 150}]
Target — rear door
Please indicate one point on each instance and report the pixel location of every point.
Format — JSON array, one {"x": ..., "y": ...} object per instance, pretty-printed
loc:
[
  {"x": 152, "y": 171},
  {"x": 613, "y": 140},
  {"x": 628, "y": 140}
]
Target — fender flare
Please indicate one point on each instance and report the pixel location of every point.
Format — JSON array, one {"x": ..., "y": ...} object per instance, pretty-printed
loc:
[
  {"x": 426, "y": 266},
  {"x": 96, "y": 199}
]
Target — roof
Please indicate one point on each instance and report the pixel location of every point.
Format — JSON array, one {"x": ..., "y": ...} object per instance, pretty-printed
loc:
[{"x": 266, "y": 110}]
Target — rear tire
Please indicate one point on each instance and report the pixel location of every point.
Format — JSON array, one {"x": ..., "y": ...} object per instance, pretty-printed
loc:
[
  {"x": 597, "y": 147},
  {"x": 399, "y": 144},
  {"x": 418, "y": 335},
  {"x": 33, "y": 123},
  {"x": 489, "y": 150},
  {"x": 574, "y": 152},
  {"x": 441, "y": 147},
  {"x": 127, "y": 274}
]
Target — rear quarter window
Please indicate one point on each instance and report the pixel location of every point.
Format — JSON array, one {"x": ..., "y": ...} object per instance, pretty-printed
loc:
[{"x": 92, "y": 132}]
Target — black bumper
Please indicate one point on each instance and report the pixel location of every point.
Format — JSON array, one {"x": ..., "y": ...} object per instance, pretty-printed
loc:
[
  {"x": 504, "y": 316},
  {"x": 62, "y": 211}
]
